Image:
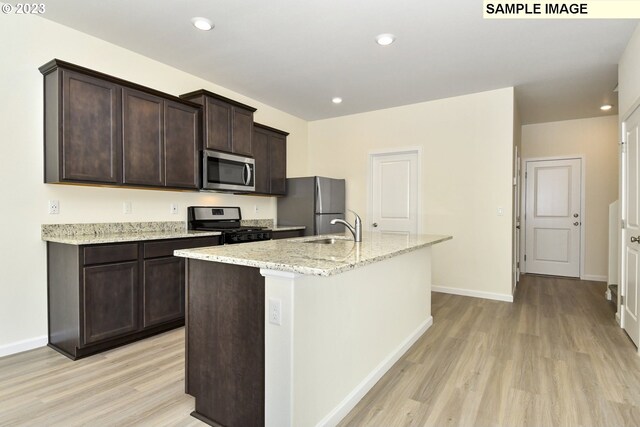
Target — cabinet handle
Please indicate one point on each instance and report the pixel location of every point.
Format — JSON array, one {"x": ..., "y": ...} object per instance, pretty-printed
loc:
[
  {"x": 635, "y": 239},
  {"x": 576, "y": 223},
  {"x": 375, "y": 224}
]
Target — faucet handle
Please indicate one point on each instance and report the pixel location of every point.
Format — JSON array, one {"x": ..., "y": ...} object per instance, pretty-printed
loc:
[{"x": 357, "y": 216}]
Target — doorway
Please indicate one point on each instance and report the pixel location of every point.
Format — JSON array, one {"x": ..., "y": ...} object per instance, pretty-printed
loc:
[
  {"x": 393, "y": 200},
  {"x": 553, "y": 217}
]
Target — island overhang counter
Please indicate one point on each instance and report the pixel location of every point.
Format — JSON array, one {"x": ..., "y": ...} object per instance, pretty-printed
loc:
[{"x": 295, "y": 332}]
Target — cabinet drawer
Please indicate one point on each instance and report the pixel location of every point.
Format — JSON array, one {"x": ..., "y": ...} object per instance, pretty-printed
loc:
[
  {"x": 166, "y": 248},
  {"x": 110, "y": 253}
]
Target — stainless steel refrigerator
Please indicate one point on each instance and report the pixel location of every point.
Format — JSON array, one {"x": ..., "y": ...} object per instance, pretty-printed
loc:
[{"x": 313, "y": 202}]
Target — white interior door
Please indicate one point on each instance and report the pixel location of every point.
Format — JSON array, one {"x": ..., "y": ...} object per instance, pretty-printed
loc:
[
  {"x": 394, "y": 192},
  {"x": 553, "y": 217},
  {"x": 631, "y": 231}
]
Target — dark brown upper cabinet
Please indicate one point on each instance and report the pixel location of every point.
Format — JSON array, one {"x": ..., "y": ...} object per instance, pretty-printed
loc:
[
  {"x": 181, "y": 145},
  {"x": 227, "y": 124},
  {"x": 142, "y": 138},
  {"x": 104, "y": 130},
  {"x": 83, "y": 128},
  {"x": 270, "y": 154}
]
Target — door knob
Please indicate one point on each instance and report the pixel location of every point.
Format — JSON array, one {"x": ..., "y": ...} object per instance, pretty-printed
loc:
[
  {"x": 635, "y": 239},
  {"x": 576, "y": 223},
  {"x": 375, "y": 224},
  {"x": 575, "y": 215}
]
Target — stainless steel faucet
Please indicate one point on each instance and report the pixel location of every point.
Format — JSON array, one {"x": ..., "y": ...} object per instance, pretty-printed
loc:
[{"x": 356, "y": 231}]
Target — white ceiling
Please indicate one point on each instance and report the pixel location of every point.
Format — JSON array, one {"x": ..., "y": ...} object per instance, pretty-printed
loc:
[{"x": 297, "y": 54}]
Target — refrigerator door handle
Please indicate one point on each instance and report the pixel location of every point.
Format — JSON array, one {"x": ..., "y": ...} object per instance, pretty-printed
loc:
[{"x": 318, "y": 208}]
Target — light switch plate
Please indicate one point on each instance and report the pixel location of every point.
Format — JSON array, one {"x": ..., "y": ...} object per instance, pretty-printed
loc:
[
  {"x": 126, "y": 207},
  {"x": 275, "y": 311}
]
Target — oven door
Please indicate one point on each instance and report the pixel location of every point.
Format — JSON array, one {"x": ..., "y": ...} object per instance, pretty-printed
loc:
[{"x": 221, "y": 171}]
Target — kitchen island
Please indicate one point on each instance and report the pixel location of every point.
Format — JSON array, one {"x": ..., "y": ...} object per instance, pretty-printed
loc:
[{"x": 295, "y": 332}]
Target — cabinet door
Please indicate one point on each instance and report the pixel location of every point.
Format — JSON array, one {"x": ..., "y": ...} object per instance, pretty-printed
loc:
[
  {"x": 90, "y": 129},
  {"x": 218, "y": 125},
  {"x": 278, "y": 164},
  {"x": 181, "y": 136},
  {"x": 143, "y": 152},
  {"x": 110, "y": 301},
  {"x": 163, "y": 289},
  {"x": 242, "y": 131},
  {"x": 261, "y": 157}
]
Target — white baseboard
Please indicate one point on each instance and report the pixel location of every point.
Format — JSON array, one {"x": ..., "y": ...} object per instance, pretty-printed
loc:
[
  {"x": 472, "y": 293},
  {"x": 24, "y": 345},
  {"x": 594, "y": 277},
  {"x": 352, "y": 399}
]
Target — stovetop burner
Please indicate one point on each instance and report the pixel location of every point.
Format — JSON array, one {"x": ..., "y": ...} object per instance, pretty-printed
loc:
[{"x": 227, "y": 221}]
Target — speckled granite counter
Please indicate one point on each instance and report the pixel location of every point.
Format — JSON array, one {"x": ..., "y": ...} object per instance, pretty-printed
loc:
[
  {"x": 95, "y": 233},
  {"x": 302, "y": 255},
  {"x": 288, "y": 228},
  {"x": 268, "y": 223}
]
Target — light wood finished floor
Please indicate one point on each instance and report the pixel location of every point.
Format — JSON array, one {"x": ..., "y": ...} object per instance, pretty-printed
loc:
[
  {"x": 139, "y": 384},
  {"x": 554, "y": 357}
]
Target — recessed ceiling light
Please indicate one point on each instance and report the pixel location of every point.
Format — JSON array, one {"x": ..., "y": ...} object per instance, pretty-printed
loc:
[
  {"x": 203, "y": 24},
  {"x": 606, "y": 107},
  {"x": 385, "y": 39},
  {"x": 336, "y": 100}
]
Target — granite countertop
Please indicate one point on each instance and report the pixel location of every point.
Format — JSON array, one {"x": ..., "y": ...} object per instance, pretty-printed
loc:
[
  {"x": 287, "y": 227},
  {"x": 297, "y": 256},
  {"x": 88, "y": 234}
]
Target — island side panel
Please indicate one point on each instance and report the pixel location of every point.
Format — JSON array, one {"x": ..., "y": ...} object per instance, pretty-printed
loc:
[
  {"x": 225, "y": 339},
  {"x": 347, "y": 331}
]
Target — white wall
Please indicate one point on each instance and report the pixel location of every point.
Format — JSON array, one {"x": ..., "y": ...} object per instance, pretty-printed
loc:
[
  {"x": 30, "y": 42},
  {"x": 467, "y": 146},
  {"x": 628, "y": 80},
  {"x": 597, "y": 140}
]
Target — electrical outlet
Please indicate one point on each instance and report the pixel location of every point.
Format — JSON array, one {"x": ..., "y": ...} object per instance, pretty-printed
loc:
[
  {"x": 54, "y": 207},
  {"x": 126, "y": 207},
  {"x": 275, "y": 311},
  {"x": 255, "y": 208},
  {"x": 173, "y": 209},
  {"x": 500, "y": 211}
]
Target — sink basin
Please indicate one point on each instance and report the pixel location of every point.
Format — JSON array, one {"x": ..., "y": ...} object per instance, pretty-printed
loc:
[{"x": 330, "y": 241}]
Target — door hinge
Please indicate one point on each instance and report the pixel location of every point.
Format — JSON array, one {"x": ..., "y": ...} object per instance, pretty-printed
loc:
[
  {"x": 525, "y": 175},
  {"x": 518, "y": 264},
  {"x": 621, "y": 299},
  {"x": 623, "y": 146},
  {"x": 525, "y": 257},
  {"x": 622, "y": 223}
]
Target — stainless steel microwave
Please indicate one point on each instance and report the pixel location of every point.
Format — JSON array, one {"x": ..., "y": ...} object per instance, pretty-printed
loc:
[{"x": 222, "y": 171}]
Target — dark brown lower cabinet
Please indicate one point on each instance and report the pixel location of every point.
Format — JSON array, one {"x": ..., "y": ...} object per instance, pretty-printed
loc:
[
  {"x": 225, "y": 343},
  {"x": 110, "y": 300},
  {"x": 103, "y": 296},
  {"x": 163, "y": 290}
]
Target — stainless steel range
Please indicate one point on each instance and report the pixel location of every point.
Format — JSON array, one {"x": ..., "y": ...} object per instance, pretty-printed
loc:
[{"x": 226, "y": 220}]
